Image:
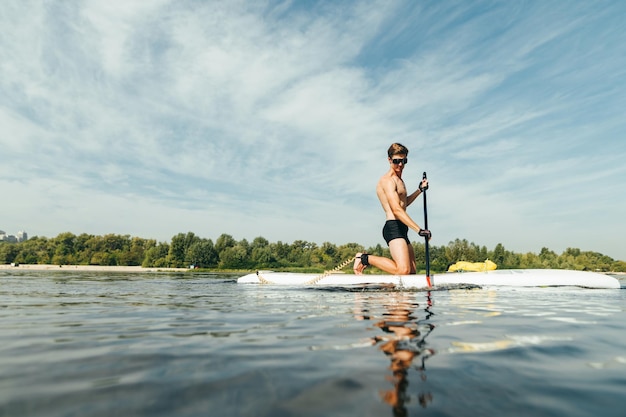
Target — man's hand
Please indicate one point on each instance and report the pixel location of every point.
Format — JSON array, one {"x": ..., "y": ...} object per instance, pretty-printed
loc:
[
  {"x": 423, "y": 185},
  {"x": 425, "y": 233}
]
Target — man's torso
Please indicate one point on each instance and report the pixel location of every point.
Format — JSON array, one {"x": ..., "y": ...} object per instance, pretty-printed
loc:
[{"x": 395, "y": 182}]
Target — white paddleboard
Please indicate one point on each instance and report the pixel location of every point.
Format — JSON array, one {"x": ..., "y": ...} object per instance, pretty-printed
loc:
[{"x": 501, "y": 277}]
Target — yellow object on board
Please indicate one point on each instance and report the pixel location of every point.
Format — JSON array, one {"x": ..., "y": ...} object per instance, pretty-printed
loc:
[{"x": 473, "y": 266}]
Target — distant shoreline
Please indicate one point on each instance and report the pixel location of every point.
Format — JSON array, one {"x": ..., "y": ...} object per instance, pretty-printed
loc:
[
  {"x": 93, "y": 268},
  {"x": 100, "y": 268}
]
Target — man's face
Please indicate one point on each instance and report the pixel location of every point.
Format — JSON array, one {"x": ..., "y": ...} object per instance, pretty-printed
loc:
[{"x": 398, "y": 162}]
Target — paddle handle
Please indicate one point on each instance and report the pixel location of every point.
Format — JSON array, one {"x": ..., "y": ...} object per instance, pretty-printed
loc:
[{"x": 428, "y": 279}]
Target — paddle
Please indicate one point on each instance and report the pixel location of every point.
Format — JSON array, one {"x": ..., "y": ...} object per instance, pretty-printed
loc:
[{"x": 428, "y": 280}]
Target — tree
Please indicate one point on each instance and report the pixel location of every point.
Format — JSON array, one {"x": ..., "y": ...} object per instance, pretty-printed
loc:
[
  {"x": 202, "y": 254},
  {"x": 8, "y": 252},
  {"x": 156, "y": 256},
  {"x": 112, "y": 242},
  {"x": 378, "y": 250},
  {"x": 189, "y": 249},
  {"x": 259, "y": 242},
  {"x": 619, "y": 266},
  {"x": 419, "y": 248},
  {"x": 574, "y": 252},
  {"x": 32, "y": 251},
  {"x": 438, "y": 259},
  {"x": 261, "y": 253},
  {"x": 346, "y": 251},
  {"x": 82, "y": 249},
  {"x": 462, "y": 250},
  {"x": 281, "y": 252},
  {"x": 300, "y": 253},
  {"x": 499, "y": 255},
  {"x": 234, "y": 257},
  {"x": 324, "y": 255},
  {"x": 224, "y": 241},
  {"x": 511, "y": 261},
  {"x": 262, "y": 257},
  {"x": 595, "y": 261},
  {"x": 548, "y": 258},
  {"x": 531, "y": 261},
  {"x": 103, "y": 258},
  {"x": 137, "y": 250},
  {"x": 178, "y": 248},
  {"x": 64, "y": 249}
]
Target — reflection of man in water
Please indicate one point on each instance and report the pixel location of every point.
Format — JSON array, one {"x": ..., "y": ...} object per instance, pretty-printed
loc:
[{"x": 403, "y": 342}]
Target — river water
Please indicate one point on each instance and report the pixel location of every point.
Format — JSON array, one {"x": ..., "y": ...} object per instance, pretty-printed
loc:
[{"x": 156, "y": 344}]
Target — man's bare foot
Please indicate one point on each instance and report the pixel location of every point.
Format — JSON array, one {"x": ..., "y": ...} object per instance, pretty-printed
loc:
[{"x": 358, "y": 265}]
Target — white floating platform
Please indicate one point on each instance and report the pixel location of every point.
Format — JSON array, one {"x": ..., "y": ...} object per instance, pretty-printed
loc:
[{"x": 501, "y": 277}]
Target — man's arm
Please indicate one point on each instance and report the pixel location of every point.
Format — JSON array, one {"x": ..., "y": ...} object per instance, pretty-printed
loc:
[
  {"x": 412, "y": 197},
  {"x": 423, "y": 185}
]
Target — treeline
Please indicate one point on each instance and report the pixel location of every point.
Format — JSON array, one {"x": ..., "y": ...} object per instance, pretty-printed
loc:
[{"x": 226, "y": 253}]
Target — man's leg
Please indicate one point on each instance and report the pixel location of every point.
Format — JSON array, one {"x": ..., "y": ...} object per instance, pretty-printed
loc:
[
  {"x": 402, "y": 255},
  {"x": 403, "y": 262},
  {"x": 412, "y": 258}
]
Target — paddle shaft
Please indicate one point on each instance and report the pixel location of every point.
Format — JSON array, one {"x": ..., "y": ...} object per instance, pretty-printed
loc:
[{"x": 428, "y": 280}]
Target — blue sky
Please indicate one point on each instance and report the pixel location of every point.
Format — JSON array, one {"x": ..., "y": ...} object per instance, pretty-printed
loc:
[{"x": 272, "y": 118}]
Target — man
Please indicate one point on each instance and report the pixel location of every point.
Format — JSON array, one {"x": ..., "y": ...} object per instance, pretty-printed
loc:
[{"x": 393, "y": 196}]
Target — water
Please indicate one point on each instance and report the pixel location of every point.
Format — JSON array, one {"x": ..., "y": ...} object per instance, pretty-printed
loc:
[{"x": 102, "y": 344}]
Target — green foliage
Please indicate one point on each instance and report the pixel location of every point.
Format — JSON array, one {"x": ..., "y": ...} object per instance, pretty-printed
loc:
[
  {"x": 156, "y": 256},
  {"x": 223, "y": 242},
  {"x": 619, "y": 266},
  {"x": 179, "y": 256},
  {"x": 202, "y": 254},
  {"x": 234, "y": 257},
  {"x": 8, "y": 252},
  {"x": 187, "y": 249}
]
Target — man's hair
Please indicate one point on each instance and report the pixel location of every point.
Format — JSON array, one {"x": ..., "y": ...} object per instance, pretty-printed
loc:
[{"x": 397, "y": 149}]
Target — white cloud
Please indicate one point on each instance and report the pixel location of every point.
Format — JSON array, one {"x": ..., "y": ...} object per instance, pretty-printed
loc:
[{"x": 273, "y": 119}]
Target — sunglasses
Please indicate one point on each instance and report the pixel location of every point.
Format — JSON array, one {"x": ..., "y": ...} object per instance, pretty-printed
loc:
[{"x": 396, "y": 161}]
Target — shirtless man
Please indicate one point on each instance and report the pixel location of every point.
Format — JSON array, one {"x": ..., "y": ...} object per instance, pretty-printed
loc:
[{"x": 393, "y": 196}]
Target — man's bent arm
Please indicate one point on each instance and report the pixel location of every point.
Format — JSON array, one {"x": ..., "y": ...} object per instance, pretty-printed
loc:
[{"x": 412, "y": 197}]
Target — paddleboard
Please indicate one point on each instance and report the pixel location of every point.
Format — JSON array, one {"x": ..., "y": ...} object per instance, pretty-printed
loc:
[{"x": 500, "y": 277}]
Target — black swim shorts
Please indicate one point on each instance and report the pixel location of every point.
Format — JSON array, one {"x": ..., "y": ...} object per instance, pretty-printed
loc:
[{"x": 395, "y": 229}]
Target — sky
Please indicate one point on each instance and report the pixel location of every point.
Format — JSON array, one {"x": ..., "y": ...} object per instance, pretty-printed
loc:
[{"x": 273, "y": 119}]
